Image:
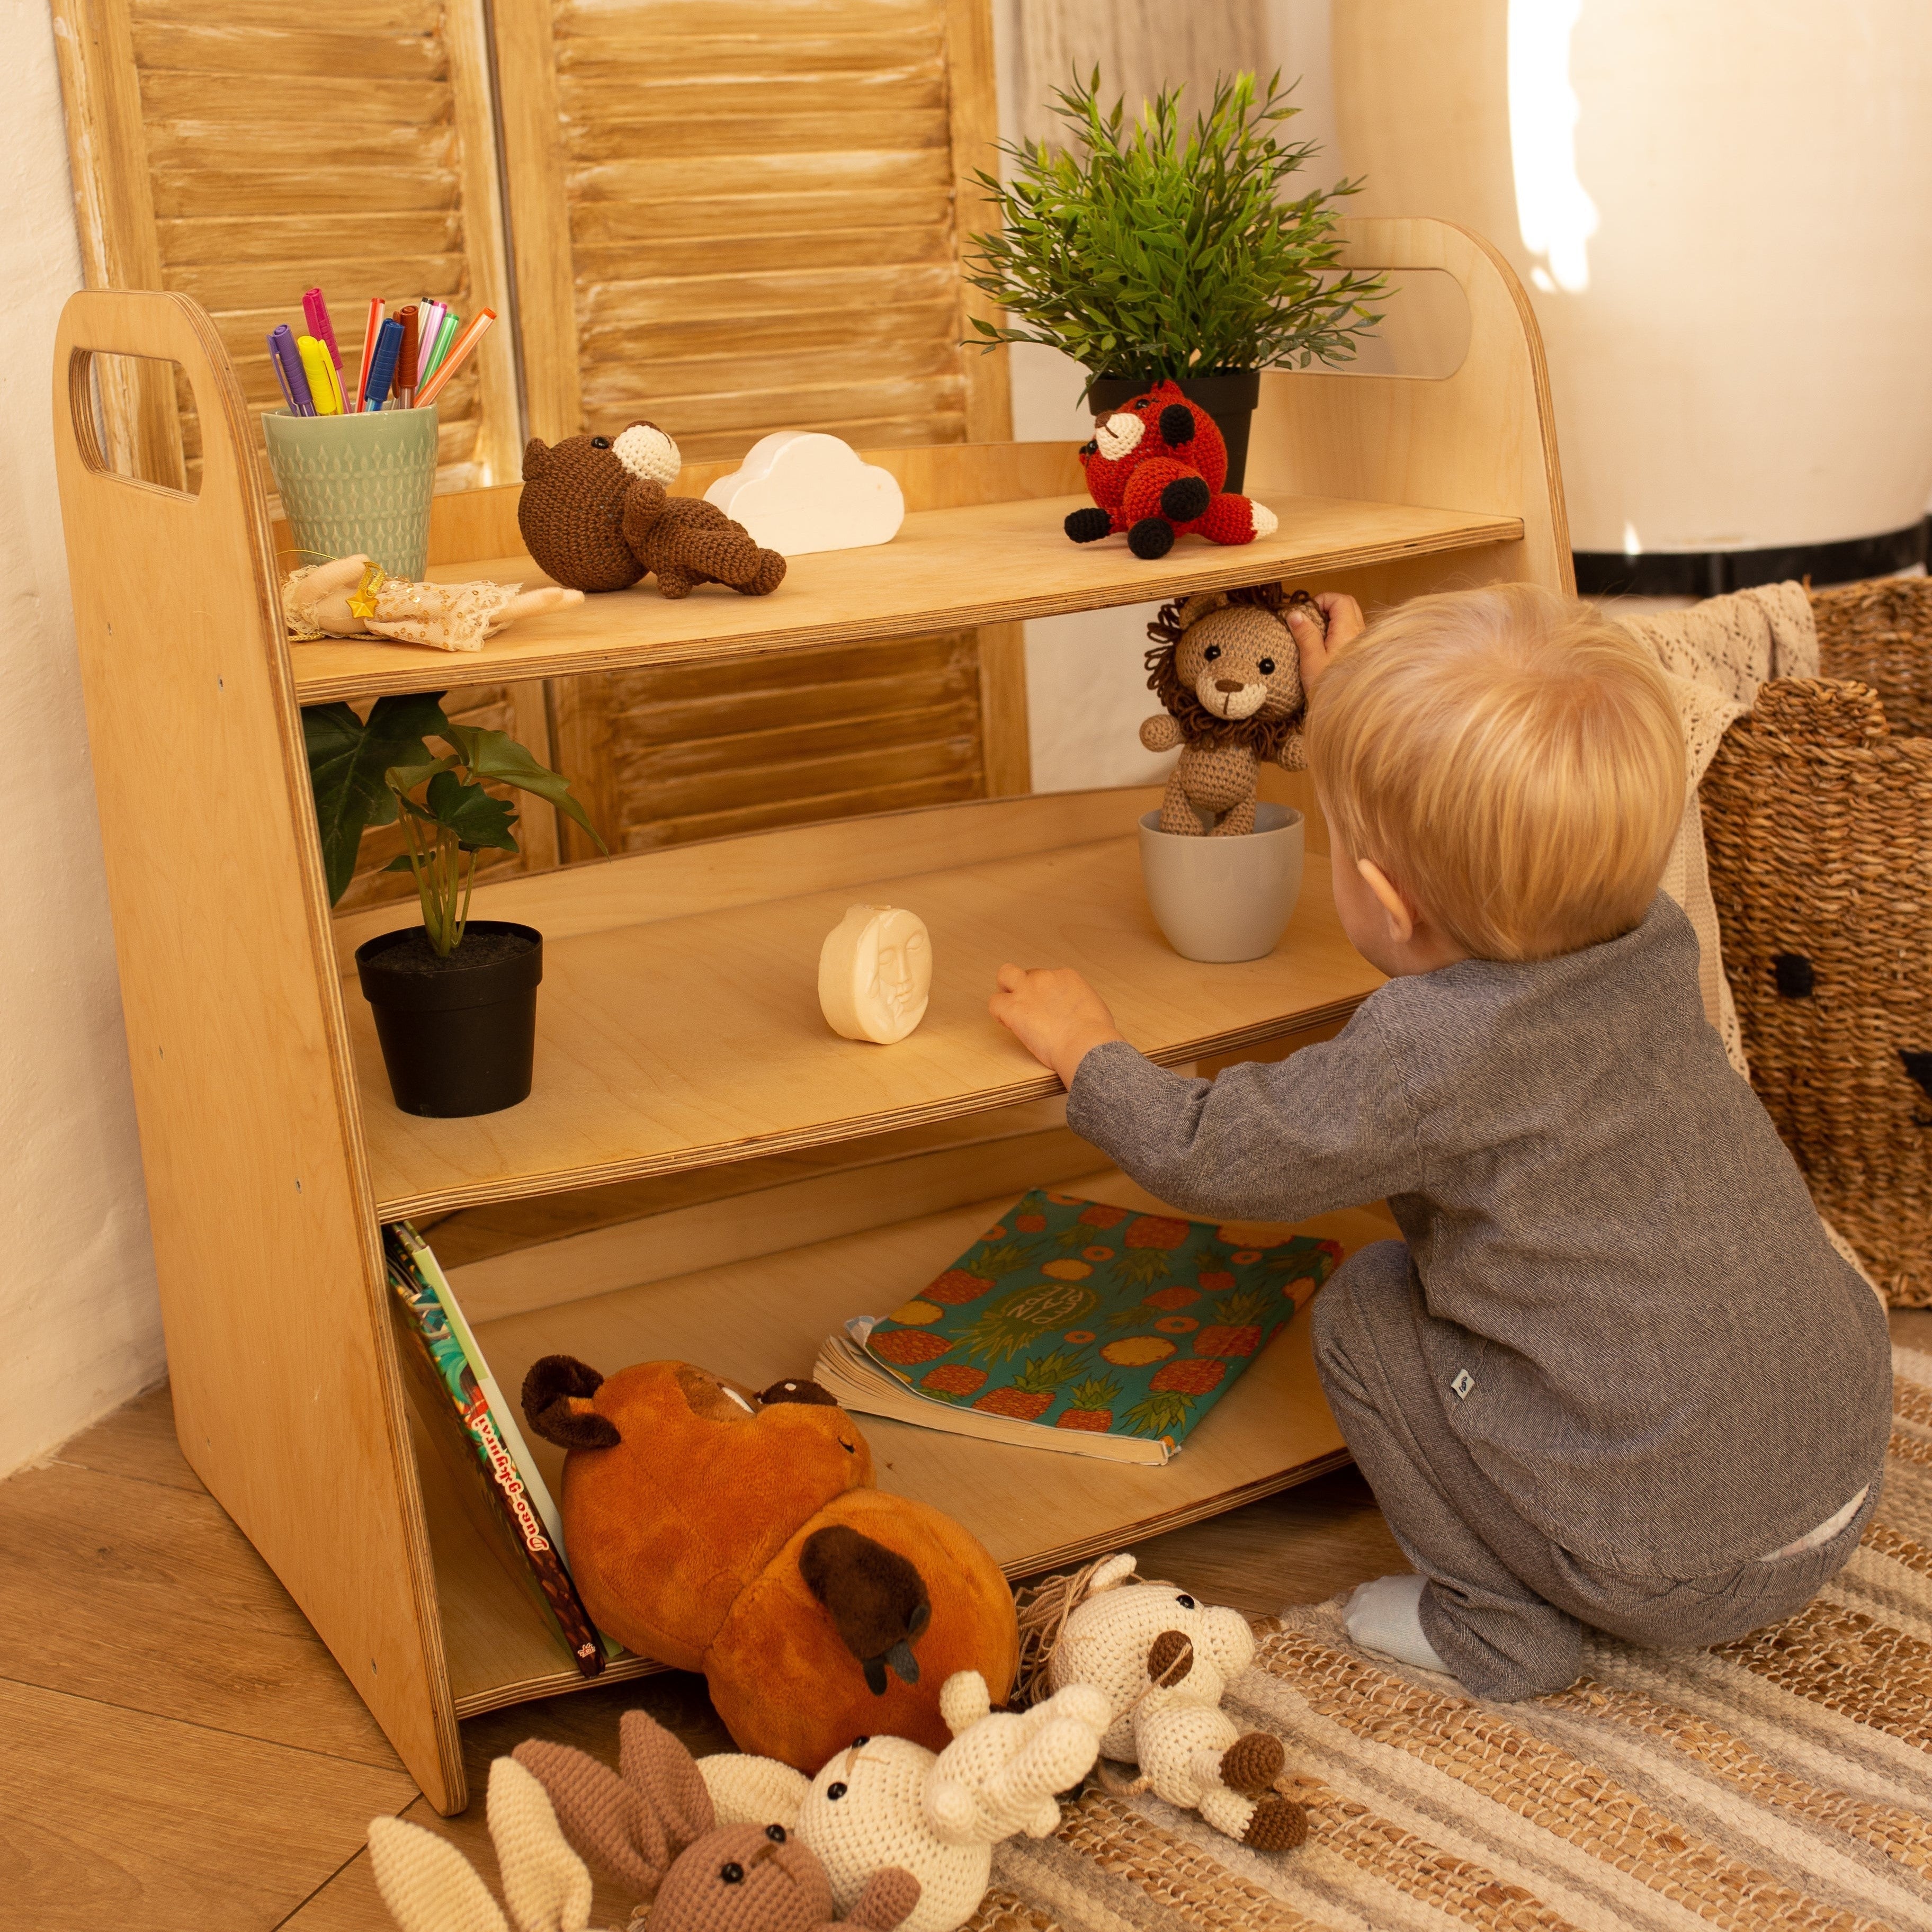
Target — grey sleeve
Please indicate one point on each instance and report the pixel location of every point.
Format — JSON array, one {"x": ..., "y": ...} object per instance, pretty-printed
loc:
[{"x": 1327, "y": 1127}]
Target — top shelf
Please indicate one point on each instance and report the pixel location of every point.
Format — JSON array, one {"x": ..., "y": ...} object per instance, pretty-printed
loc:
[{"x": 946, "y": 570}]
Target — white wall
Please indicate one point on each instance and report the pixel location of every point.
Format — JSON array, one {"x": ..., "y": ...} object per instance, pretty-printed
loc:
[
  {"x": 79, "y": 1328},
  {"x": 1719, "y": 219},
  {"x": 1086, "y": 687}
]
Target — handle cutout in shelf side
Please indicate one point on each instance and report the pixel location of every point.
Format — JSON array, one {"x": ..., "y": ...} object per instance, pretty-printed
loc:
[
  {"x": 127, "y": 413},
  {"x": 1424, "y": 332}
]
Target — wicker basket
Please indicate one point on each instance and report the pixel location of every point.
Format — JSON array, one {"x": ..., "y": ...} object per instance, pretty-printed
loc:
[{"x": 1818, "y": 824}]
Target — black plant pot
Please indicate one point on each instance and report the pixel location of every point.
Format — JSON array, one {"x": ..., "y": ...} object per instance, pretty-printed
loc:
[
  {"x": 458, "y": 1034},
  {"x": 1229, "y": 396}
]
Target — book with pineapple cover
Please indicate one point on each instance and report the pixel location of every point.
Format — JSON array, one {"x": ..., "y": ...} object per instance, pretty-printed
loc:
[
  {"x": 1082, "y": 1326},
  {"x": 466, "y": 1409}
]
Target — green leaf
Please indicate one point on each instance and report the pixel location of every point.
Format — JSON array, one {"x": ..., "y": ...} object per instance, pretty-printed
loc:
[
  {"x": 347, "y": 763},
  {"x": 404, "y": 779},
  {"x": 1162, "y": 246},
  {"x": 497, "y": 758},
  {"x": 400, "y": 863},
  {"x": 468, "y": 812}
]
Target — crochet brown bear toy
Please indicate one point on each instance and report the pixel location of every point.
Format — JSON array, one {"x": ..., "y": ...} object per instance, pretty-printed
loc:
[
  {"x": 1225, "y": 667},
  {"x": 596, "y": 514}
]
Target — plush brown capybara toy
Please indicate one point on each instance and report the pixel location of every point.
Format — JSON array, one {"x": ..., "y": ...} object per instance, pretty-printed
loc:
[
  {"x": 596, "y": 514},
  {"x": 740, "y": 1535}
]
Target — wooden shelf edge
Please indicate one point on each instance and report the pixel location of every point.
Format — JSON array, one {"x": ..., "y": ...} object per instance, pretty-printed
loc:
[
  {"x": 556, "y": 1684},
  {"x": 417, "y": 668},
  {"x": 1045, "y": 1087},
  {"x": 1084, "y": 1549}
]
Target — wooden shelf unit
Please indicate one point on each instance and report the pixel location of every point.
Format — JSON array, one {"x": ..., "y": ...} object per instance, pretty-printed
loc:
[{"x": 775, "y": 1172}]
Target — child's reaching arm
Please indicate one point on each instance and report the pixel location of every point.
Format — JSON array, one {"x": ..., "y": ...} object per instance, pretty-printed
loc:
[{"x": 1328, "y": 1127}]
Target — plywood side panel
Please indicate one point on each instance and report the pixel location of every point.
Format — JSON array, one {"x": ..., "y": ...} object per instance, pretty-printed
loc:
[
  {"x": 286, "y": 1395},
  {"x": 1483, "y": 438}
]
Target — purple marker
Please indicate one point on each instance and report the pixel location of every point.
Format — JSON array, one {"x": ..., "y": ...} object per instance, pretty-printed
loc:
[{"x": 289, "y": 369}]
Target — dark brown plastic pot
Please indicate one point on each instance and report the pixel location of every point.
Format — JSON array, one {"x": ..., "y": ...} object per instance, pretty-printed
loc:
[
  {"x": 459, "y": 1038},
  {"x": 1229, "y": 396}
]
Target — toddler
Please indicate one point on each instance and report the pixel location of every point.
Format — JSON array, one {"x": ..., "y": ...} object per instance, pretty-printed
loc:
[{"x": 1614, "y": 1374}]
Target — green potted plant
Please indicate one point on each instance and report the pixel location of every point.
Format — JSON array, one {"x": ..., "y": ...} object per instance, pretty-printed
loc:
[
  {"x": 455, "y": 998},
  {"x": 1164, "y": 250}
]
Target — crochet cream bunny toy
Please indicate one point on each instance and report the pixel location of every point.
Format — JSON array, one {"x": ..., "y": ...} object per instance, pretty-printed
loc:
[
  {"x": 1163, "y": 1660},
  {"x": 886, "y": 1806},
  {"x": 654, "y": 1827},
  {"x": 353, "y": 598}
]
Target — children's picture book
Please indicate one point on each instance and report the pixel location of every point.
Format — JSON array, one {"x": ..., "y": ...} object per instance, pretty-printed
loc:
[
  {"x": 479, "y": 1438},
  {"x": 1078, "y": 1326}
]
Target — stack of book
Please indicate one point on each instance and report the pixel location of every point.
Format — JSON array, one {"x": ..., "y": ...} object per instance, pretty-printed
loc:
[
  {"x": 1078, "y": 1326},
  {"x": 476, "y": 1433}
]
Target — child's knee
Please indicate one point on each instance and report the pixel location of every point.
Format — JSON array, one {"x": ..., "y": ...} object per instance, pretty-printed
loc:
[{"x": 1369, "y": 1286}]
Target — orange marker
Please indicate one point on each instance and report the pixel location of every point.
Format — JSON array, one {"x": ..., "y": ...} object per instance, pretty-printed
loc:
[
  {"x": 369, "y": 335},
  {"x": 472, "y": 331}
]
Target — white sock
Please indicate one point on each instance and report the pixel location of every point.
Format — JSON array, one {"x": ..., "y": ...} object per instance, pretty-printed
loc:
[{"x": 1386, "y": 1616}]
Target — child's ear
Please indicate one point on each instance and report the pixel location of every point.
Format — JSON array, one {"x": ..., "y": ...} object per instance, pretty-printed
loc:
[{"x": 1401, "y": 914}]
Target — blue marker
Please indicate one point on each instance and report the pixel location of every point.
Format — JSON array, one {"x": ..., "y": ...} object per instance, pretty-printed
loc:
[{"x": 382, "y": 370}]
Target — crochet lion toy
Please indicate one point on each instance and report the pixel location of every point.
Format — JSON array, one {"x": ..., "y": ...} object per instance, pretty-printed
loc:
[
  {"x": 1163, "y": 1660},
  {"x": 1155, "y": 469},
  {"x": 740, "y": 1534},
  {"x": 1225, "y": 667},
  {"x": 596, "y": 514}
]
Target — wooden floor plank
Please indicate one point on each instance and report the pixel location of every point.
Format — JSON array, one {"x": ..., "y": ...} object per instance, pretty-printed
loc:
[
  {"x": 137, "y": 1441},
  {"x": 117, "y": 1819},
  {"x": 588, "y": 1720},
  {"x": 147, "y": 1597}
]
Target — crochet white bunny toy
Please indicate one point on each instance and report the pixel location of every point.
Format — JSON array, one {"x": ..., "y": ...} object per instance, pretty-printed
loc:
[
  {"x": 1162, "y": 1661},
  {"x": 887, "y": 1802}
]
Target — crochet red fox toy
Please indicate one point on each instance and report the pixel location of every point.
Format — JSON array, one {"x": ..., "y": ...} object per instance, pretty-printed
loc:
[{"x": 1155, "y": 469}]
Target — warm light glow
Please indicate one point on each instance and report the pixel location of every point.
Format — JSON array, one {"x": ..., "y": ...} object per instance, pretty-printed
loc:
[{"x": 1554, "y": 213}]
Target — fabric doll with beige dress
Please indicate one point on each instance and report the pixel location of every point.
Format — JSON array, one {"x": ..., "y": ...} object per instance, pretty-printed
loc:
[{"x": 352, "y": 597}]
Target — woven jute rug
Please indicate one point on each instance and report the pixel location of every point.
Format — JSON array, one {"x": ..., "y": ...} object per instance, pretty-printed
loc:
[{"x": 1784, "y": 1780}]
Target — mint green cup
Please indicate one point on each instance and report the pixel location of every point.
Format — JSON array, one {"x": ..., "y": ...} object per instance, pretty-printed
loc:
[{"x": 358, "y": 485}]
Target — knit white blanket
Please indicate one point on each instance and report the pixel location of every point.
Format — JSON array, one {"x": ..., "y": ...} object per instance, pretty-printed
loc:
[{"x": 1714, "y": 655}]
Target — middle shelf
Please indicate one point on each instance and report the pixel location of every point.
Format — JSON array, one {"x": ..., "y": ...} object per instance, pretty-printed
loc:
[{"x": 678, "y": 1023}]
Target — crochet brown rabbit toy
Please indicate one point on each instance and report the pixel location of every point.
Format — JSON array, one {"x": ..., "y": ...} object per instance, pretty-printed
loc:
[
  {"x": 656, "y": 1830},
  {"x": 597, "y": 514},
  {"x": 652, "y": 1825}
]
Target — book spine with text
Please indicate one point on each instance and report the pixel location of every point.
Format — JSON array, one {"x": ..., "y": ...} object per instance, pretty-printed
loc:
[{"x": 444, "y": 1372}]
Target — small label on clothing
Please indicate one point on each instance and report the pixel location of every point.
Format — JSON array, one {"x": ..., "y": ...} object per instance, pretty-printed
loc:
[{"x": 1463, "y": 1384}]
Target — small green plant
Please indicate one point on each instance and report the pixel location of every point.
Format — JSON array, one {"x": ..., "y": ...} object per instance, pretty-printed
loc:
[
  {"x": 1164, "y": 250},
  {"x": 374, "y": 772}
]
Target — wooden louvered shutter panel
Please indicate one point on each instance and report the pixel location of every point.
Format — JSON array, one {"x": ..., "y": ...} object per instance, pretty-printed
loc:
[
  {"x": 732, "y": 217},
  {"x": 241, "y": 151}
]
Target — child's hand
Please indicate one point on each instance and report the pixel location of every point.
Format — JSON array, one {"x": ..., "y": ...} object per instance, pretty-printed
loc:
[
  {"x": 1057, "y": 1016},
  {"x": 1343, "y": 617}
]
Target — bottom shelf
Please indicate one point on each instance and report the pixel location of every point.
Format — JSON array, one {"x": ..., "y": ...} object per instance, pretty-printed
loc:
[{"x": 761, "y": 1320}]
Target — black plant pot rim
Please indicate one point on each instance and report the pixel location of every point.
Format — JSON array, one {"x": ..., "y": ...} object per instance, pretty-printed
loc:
[
  {"x": 454, "y": 983},
  {"x": 1233, "y": 388}
]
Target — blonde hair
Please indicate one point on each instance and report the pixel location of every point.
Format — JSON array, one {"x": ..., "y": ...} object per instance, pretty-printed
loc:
[{"x": 1511, "y": 759}]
